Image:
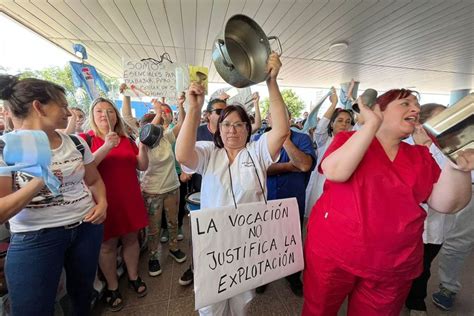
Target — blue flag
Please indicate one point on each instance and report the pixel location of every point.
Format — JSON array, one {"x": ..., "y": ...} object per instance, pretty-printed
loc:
[{"x": 87, "y": 77}]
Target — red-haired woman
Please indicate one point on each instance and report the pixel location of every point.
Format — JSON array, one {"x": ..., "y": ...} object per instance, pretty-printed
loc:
[{"x": 365, "y": 233}]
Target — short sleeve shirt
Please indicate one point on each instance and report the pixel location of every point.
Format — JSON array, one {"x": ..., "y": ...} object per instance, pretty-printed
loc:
[
  {"x": 74, "y": 200},
  {"x": 248, "y": 173},
  {"x": 160, "y": 176},
  {"x": 292, "y": 184},
  {"x": 203, "y": 133},
  {"x": 372, "y": 224}
]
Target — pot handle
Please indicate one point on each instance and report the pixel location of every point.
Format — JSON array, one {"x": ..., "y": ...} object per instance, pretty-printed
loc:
[
  {"x": 279, "y": 44},
  {"x": 219, "y": 44}
]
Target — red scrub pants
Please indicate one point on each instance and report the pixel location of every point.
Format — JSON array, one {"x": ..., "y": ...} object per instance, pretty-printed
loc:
[{"x": 326, "y": 286}]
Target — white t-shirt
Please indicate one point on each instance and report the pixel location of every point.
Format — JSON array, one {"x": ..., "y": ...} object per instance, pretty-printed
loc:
[
  {"x": 214, "y": 167},
  {"x": 161, "y": 176},
  {"x": 75, "y": 199},
  {"x": 316, "y": 181}
]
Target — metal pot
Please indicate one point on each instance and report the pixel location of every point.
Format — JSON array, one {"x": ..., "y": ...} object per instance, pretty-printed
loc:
[
  {"x": 151, "y": 135},
  {"x": 452, "y": 130},
  {"x": 240, "y": 54}
]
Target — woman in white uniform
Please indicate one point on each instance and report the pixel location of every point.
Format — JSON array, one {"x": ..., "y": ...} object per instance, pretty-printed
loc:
[
  {"x": 233, "y": 170},
  {"x": 332, "y": 122}
]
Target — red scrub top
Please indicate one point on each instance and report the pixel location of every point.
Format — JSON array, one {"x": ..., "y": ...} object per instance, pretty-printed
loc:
[
  {"x": 126, "y": 211},
  {"x": 372, "y": 224}
]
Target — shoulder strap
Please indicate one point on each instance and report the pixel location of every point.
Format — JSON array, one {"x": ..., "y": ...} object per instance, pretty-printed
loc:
[
  {"x": 132, "y": 140},
  {"x": 79, "y": 145},
  {"x": 89, "y": 140}
]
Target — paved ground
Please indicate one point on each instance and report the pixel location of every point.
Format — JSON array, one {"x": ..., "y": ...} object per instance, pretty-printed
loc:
[{"x": 167, "y": 297}]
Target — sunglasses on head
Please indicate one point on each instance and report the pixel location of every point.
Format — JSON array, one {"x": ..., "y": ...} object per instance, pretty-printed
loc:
[{"x": 218, "y": 111}]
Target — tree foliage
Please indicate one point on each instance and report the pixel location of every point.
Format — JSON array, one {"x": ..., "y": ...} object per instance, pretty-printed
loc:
[
  {"x": 293, "y": 102},
  {"x": 63, "y": 77}
]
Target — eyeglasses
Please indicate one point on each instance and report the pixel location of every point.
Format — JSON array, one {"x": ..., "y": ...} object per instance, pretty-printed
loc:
[
  {"x": 239, "y": 126},
  {"x": 218, "y": 111}
]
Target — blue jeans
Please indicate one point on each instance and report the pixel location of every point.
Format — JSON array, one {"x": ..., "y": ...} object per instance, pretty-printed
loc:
[{"x": 34, "y": 263}]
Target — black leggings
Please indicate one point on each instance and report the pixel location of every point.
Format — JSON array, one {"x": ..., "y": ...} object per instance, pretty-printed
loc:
[{"x": 417, "y": 295}]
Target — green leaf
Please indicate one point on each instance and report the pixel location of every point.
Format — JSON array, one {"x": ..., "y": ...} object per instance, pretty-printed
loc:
[{"x": 294, "y": 104}]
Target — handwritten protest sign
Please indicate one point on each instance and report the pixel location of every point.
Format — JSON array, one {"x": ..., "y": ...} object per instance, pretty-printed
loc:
[
  {"x": 155, "y": 80},
  {"x": 236, "y": 250}
]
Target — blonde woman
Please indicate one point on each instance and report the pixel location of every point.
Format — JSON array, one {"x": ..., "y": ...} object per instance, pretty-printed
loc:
[{"x": 117, "y": 158}]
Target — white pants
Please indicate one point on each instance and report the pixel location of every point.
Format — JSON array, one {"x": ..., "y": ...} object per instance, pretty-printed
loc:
[
  {"x": 234, "y": 306},
  {"x": 456, "y": 248}
]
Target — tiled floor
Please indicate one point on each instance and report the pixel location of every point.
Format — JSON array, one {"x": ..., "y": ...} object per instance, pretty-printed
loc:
[{"x": 167, "y": 297}]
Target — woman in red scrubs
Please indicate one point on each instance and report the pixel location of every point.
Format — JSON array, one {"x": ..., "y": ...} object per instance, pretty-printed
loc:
[{"x": 364, "y": 236}]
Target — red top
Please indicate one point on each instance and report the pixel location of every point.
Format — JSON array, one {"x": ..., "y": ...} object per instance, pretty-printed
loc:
[
  {"x": 126, "y": 211},
  {"x": 372, "y": 224}
]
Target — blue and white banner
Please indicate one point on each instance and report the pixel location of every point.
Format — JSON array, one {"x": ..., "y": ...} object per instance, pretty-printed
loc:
[
  {"x": 29, "y": 151},
  {"x": 87, "y": 77}
]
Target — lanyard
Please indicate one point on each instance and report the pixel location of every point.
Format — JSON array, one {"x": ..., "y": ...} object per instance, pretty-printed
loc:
[{"x": 258, "y": 177}]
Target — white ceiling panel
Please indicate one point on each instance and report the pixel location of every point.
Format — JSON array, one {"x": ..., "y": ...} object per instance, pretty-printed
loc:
[
  {"x": 90, "y": 19},
  {"x": 424, "y": 43},
  {"x": 203, "y": 21}
]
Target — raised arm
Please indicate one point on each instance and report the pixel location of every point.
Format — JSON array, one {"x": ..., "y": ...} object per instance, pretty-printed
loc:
[
  {"x": 71, "y": 124},
  {"x": 333, "y": 98},
  {"x": 301, "y": 160},
  {"x": 340, "y": 164},
  {"x": 126, "y": 106},
  {"x": 453, "y": 190},
  {"x": 13, "y": 202},
  {"x": 280, "y": 123},
  {"x": 186, "y": 143},
  {"x": 142, "y": 157},
  {"x": 281, "y": 167},
  {"x": 158, "y": 112},
  {"x": 258, "y": 117},
  {"x": 350, "y": 90},
  {"x": 181, "y": 115},
  {"x": 126, "y": 110}
]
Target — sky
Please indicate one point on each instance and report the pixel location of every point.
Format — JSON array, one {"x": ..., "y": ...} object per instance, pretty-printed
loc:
[{"x": 35, "y": 52}]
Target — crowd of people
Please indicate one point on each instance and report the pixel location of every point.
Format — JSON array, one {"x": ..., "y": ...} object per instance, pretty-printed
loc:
[{"x": 377, "y": 196}]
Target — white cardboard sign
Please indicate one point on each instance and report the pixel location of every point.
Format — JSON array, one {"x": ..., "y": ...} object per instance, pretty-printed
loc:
[
  {"x": 236, "y": 250},
  {"x": 155, "y": 80}
]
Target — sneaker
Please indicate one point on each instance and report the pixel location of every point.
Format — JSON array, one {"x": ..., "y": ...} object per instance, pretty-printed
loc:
[
  {"x": 154, "y": 268},
  {"x": 187, "y": 277},
  {"x": 180, "y": 234},
  {"x": 165, "y": 235},
  {"x": 444, "y": 299},
  {"x": 414, "y": 312},
  {"x": 178, "y": 256}
]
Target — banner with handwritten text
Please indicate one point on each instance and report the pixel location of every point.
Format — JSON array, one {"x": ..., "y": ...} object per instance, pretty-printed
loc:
[
  {"x": 147, "y": 79},
  {"x": 236, "y": 250}
]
